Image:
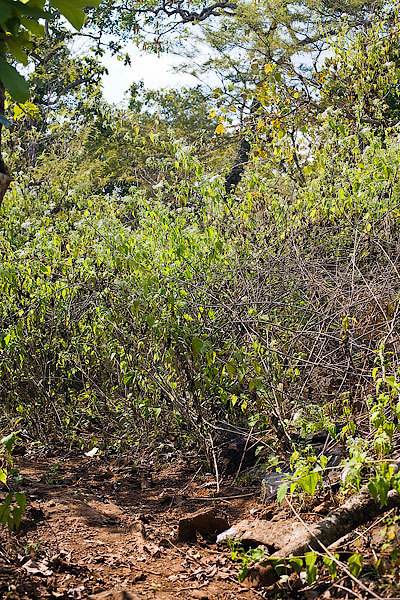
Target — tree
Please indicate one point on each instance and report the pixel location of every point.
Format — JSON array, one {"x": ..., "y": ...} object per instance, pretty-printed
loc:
[
  {"x": 361, "y": 80},
  {"x": 20, "y": 22},
  {"x": 63, "y": 87},
  {"x": 272, "y": 34},
  {"x": 267, "y": 58}
]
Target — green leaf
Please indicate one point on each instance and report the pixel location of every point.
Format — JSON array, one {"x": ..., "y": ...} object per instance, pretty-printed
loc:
[
  {"x": 5, "y": 515},
  {"x": 373, "y": 490},
  {"x": 379, "y": 487},
  {"x": 20, "y": 500},
  {"x": 29, "y": 10},
  {"x": 197, "y": 345},
  {"x": 91, "y": 3},
  {"x": 46, "y": 269},
  {"x": 296, "y": 563},
  {"x": 256, "y": 554},
  {"x": 309, "y": 483},
  {"x": 156, "y": 412},
  {"x": 16, "y": 50},
  {"x": 243, "y": 573},
  {"x": 129, "y": 377},
  {"x": 36, "y": 3},
  {"x": 311, "y": 558},
  {"x": 311, "y": 569},
  {"x": 391, "y": 380},
  {"x": 9, "y": 440},
  {"x": 16, "y": 517},
  {"x": 5, "y": 509},
  {"x": 355, "y": 564},
  {"x": 281, "y": 493},
  {"x": 231, "y": 369},
  {"x": 81, "y": 3},
  {"x": 75, "y": 15},
  {"x": 14, "y": 83},
  {"x": 5, "y": 11},
  {"x": 5, "y": 122},
  {"x": 33, "y": 26},
  {"x": 331, "y": 565},
  {"x": 3, "y": 476}
]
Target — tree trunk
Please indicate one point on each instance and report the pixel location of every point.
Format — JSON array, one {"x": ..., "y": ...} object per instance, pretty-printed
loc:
[
  {"x": 5, "y": 178},
  {"x": 235, "y": 173}
]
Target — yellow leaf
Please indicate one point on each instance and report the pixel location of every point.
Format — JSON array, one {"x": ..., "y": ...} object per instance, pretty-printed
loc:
[
  {"x": 137, "y": 129},
  {"x": 25, "y": 109},
  {"x": 212, "y": 113},
  {"x": 3, "y": 476},
  {"x": 268, "y": 69},
  {"x": 220, "y": 129}
]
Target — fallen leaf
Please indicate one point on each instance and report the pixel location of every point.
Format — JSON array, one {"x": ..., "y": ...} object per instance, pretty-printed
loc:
[
  {"x": 92, "y": 452},
  {"x": 76, "y": 593},
  {"x": 35, "y": 567}
]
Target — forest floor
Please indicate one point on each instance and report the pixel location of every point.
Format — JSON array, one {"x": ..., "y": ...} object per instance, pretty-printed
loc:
[
  {"x": 100, "y": 529},
  {"x": 103, "y": 530}
]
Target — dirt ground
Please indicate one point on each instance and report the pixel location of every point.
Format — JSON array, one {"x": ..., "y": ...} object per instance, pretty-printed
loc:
[{"x": 105, "y": 529}]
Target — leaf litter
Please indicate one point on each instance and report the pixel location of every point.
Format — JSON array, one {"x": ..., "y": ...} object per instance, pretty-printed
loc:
[{"x": 95, "y": 531}]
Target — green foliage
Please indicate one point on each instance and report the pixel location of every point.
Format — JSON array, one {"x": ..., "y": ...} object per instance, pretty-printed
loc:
[
  {"x": 140, "y": 304},
  {"x": 19, "y": 23},
  {"x": 361, "y": 80},
  {"x": 311, "y": 569},
  {"x": 13, "y": 506},
  {"x": 247, "y": 559}
]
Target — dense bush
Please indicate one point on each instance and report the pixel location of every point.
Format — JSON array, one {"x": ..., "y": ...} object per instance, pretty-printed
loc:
[{"x": 122, "y": 313}]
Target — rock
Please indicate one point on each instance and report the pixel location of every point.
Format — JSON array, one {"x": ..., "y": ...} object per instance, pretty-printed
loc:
[
  {"x": 272, "y": 534},
  {"x": 115, "y": 595},
  {"x": 272, "y": 481},
  {"x": 270, "y": 485},
  {"x": 260, "y": 577},
  {"x": 205, "y": 522}
]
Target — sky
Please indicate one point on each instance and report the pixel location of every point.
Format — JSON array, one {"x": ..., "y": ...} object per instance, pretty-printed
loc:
[{"x": 156, "y": 72}]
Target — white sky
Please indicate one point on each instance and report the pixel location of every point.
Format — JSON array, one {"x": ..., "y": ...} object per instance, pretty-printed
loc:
[{"x": 156, "y": 72}]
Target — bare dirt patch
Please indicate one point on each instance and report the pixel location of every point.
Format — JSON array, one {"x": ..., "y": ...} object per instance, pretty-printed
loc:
[{"x": 109, "y": 530}]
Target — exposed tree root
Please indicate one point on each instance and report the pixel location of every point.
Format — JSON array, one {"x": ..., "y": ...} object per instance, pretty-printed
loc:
[{"x": 356, "y": 511}]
